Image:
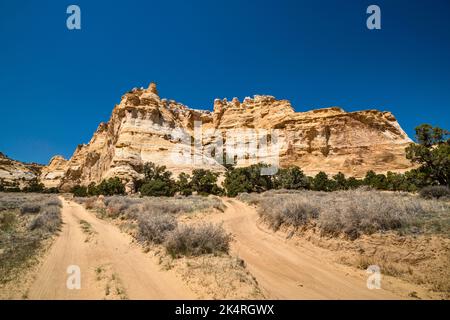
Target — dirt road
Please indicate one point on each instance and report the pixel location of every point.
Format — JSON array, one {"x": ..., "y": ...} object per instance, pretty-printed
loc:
[
  {"x": 287, "y": 271},
  {"x": 111, "y": 266}
]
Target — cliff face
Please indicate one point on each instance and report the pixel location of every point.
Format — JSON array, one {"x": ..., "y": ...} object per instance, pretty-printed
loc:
[
  {"x": 142, "y": 128},
  {"x": 52, "y": 173},
  {"x": 145, "y": 128},
  {"x": 17, "y": 174},
  {"x": 329, "y": 140}
]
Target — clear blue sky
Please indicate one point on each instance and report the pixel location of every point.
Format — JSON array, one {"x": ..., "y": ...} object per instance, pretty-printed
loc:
[{"x": 56, "y": 85}]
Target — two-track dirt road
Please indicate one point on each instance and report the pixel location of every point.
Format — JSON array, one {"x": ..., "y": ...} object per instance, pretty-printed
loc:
[
  {"x": 110, "y": 265},
  {"x": 287, "y": 271},
  {"x": 114, "y": 267}
]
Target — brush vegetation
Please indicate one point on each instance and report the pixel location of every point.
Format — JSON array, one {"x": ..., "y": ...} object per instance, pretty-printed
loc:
[
  {"x": 352, "y": 213},
  {"x": 26, "y": 220}
]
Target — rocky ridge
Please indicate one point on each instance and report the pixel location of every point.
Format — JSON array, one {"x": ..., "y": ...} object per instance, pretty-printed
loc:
[{"x": 17, "y": 174}]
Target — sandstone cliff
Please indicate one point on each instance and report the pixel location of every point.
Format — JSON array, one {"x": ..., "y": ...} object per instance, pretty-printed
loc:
[
  {"x": 329, "y": 140},
  {"x": 52, "y": 173},
  {"x": 143, "y": 127},
  {"x": 17, "y": 174}
]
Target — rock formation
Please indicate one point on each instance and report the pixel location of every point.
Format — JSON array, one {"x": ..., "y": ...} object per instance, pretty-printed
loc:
[
  {"x": 142, "y": 128},
  {"x": 145, "y": 128},
  {"x": 52, "y": 174},
  {"x": 17, "y": 174},
  {"x": 329, "y": 139}
]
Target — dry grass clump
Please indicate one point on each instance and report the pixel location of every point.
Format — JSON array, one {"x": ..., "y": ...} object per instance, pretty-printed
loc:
[
  {"x": 154, "y": 228},
  {"x": 194, "y": 240},
  {"x": 52, "y": 201},
  {"x": 49, "y": 220},
  {"x": 179, "y": 205},
  {"x": 30, "y": 208},
  {"x": 291, "y": 211},
  {"x": 117, "y": 205},
  {"x": 154, "y": 221},
  {"x": 249, "y": 198},
  {"x": 16, "y": 200},
  {"x": 435, "y": 192},
  {"x": 352, "y": 213},
  {"x": 367, "y": 212},
  {"x": 132, "y": 207}
]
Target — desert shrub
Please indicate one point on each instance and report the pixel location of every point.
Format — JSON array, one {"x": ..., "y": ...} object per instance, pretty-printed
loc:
[
  {"x": 248, "y": 179},
  {"x": 91, "y": 203},
  {"x": 286, "y": 211},
  {"x": 34, "y": 186},
  {"x": 30, "y": 207},
  {"x": 122, "y": 202},
  {"x": 180, "y": 205},
  {"x": 79, "y": 191},
  {"x": 21, "y": 233},
  {"x": 184, "y": 184},
  {"x": 340, "y": 182},
  {"x": 80, "y": 200},
  {"x": 110, "y": 187},
  {"x": 131, "y": 207},
  {"x": 321, "y": 182},
  {"x": 49, "y": 220},
  {"x": 51, "y": 190},
  {"x": 435, "y": 192},
  {"x": 249, "y": 198},
  {"x": 290, "y": 178},
  {"x": 432, "y": 152},
  {"x": 155, "y": 227},
  {"x": 53, "y": 201},
  {"x": 158, "y": 188},
  {"x": 367, "y": 212},
  {"x": 352, "y": 213},
  {"x": 197, "y": 239},
  {"x": 17, "y": 200},
  {"x": 92, "y": 189},
  {"x": 353, "y": 183},
  {"x": 117, "y": 205},
  {"x": 376, "y": 181},
  {"x": 157, "y": 181},
  {"x": 205, "y": 182},
  {"x": 133, "y": 211}
]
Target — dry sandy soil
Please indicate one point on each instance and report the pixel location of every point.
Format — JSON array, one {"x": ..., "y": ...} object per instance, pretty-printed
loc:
[
  {"x": 113, "y": 266},
  {"x": 289, "y": 269}
]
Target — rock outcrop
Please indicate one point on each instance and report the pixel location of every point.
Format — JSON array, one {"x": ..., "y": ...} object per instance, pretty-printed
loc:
[
  {"x": 52, "y": 174},
  {"x": 17, "y": 174},
  {"x": 142, "y": 128},
  {"x": 329, "y": 139},
  {"x": 145, "y": 128}
]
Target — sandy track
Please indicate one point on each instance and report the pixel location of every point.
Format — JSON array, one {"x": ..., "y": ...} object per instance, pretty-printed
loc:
[
  {"x": 123, "y": 264},
  {"x": 287, "y": 271}
]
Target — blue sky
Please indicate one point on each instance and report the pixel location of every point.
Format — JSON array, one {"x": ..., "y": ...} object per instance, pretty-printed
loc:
[{"x": 57, "y": 85}]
